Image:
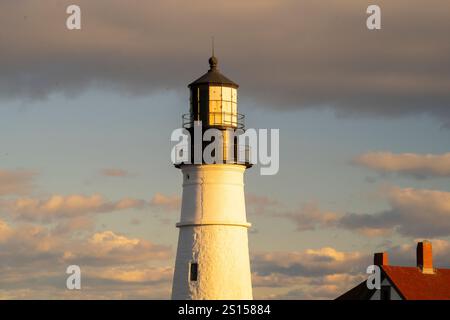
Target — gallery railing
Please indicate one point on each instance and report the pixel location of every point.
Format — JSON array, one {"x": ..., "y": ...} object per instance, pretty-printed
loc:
[{"x": 219, "y": 119}]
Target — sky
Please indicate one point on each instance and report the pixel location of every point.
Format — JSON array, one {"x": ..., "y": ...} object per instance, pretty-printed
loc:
[{"x": 86, "y": 117}]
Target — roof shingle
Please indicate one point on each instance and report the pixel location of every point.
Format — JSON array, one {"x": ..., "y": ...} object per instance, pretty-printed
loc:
[{"x": 412, "y": 284}]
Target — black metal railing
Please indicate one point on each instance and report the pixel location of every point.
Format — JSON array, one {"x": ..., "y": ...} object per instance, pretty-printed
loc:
[
  {"x": 217, "y": 119},
  {"x": 242, "y": 155}
]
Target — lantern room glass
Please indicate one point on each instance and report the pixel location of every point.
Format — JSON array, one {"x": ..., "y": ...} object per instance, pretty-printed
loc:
[{"x": 223, "y": 106}]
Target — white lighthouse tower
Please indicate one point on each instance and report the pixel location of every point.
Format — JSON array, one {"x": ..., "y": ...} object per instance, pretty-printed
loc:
[{"x": 212, "y": 259}]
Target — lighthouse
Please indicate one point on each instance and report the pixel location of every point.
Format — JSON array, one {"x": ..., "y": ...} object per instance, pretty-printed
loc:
[{"x": 212, "y": 260}]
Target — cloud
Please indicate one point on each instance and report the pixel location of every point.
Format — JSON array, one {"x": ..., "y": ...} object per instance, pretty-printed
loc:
[
  {"x": 135, "y": 221},
  {"x": 410, "y": 164},
  {"x": 405, "y": 254},
  {"x": 308, "y": 263},
  {"x": 137, "y": 282},
  {"x": 59, "y": 206},
  {"x": 99, "y": 291},
  {"x": 33, "y": 260},
  {"x": 114, "y": 172},
  {"x": 32, "y": 242},
  {"x": 165, "y": 202},
  {"x": 13, "y": 182},
  {"x": 107, "y": 247},
  {"x": 322, "y": 273},
  {"x": 310, "y": 217},
  {"x": 259, "y": 205},
  {"x": 326, "y": 287},
  {"x": 75, "y": 224},
  {"x": 143, "y": 276},
  {"x": 310, "y": 54},
  {"x": 412, "y": 213},
  {"x": 5, "y": 231},
  {"x": 273, "y": 280},
  {"x": 78, "y": 209},
  {"x": 326, "y": 273},
  {"x": 28, "y": 244}
]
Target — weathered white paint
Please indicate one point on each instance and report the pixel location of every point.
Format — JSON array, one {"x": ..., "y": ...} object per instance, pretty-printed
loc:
[{"x": 213, "y": 233}]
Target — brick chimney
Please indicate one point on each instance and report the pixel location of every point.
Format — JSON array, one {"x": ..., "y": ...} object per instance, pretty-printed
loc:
[
  {"x": 425, "y": 257},
  {"x": 381, "y": 259}
]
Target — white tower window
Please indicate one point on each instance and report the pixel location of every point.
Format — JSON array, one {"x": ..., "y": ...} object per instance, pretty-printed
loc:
[{"x": 193, "y": 271}]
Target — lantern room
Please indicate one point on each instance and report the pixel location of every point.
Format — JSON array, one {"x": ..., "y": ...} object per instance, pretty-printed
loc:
[{"x": 213, "y": 100}]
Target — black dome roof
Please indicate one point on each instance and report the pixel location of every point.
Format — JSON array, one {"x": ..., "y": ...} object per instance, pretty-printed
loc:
[{"x": 213, "y": 76}]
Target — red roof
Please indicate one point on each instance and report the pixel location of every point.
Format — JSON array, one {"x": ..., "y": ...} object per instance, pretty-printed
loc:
[{"x": 412, "y": 284}]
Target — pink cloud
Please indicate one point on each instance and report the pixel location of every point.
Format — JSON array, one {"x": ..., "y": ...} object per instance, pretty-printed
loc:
[
  {"x": 59, "y": 206},
  {"x": 416, "y": 165},
  {"x": 113, "y": 265},
  {"x": 15, "y": 181},
  {"x": 310, "y": 217},
  {"x": 322, "y": 273},
  {"x": 114, "y": 172},
  {"x": 165, "y": 203}
]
